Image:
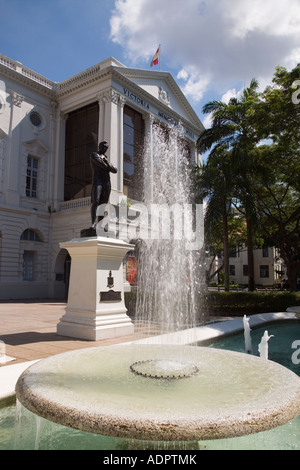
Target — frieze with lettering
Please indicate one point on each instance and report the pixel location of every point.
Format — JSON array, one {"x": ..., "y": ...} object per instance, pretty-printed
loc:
[{"x": 135, "y": 98}]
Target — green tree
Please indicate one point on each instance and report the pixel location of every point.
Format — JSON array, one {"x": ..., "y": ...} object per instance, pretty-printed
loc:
[
  {"x": 215, "y": 181},
  {"x": 233, "y": 129},
  {"x": 237, "y": 237},
  {"x": 276, "y": 117},
  {"x": 277, "y": 201}
]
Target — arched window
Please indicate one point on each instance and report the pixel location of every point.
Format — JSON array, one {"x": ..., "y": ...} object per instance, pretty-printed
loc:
[{"x": 31, "y": 235}]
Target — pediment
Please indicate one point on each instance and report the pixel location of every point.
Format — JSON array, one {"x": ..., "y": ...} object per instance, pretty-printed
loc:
[
  {"x": 163, "y": 87},
  {"x": 35, "y": 146}
]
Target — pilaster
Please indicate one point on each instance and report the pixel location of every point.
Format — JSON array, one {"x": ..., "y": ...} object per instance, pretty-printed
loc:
[
  {"x": 150, "y": 118},
  {"x": 111, "y": 106},
  {"x": 12, "y": 196}
]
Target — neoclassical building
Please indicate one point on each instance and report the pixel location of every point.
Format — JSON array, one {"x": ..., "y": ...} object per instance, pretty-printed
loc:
[{"x": 47, "y": 132}]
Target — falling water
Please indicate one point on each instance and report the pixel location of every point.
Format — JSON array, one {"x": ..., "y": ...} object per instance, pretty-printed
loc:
[{"x": 169, "y": 272}]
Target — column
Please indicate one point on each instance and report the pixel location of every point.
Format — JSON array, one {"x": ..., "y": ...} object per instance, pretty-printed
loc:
[
  {"x": 101, "y": 122},
  {"x": 121, "y": 104},
  {"x": 59, "y": 166},
  {"x": 111, "y": 130},
  {"x": 149, "y": 153},
  {"x": 13, "y": 171}
]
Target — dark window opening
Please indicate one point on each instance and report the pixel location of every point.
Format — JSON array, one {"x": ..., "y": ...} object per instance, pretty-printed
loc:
[
  {"x": 30, "y": 235},
  {"x": 264, "y": 271},
  {"x": 32, "y": 174},
  {"x": 81, "y": 141},
  {"x": 133, "y": 166}
]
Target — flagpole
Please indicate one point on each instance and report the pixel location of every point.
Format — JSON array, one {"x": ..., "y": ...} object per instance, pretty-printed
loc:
[{"x": 160, "y": 57}]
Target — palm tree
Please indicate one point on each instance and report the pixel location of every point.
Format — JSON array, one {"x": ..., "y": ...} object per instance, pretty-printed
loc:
[
  {"x": 215, "y": 180},
  {"x": 233, "y": 129}
]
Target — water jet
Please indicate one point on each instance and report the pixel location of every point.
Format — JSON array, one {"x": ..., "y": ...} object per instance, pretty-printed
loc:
[{"x": 163, "y": 392}]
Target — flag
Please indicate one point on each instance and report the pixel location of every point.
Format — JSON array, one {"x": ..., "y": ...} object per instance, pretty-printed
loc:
[{"x": 155, "y": 58}]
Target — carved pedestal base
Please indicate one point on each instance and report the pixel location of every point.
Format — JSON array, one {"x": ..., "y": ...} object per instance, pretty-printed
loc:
[{"x": 96, "y": 308}]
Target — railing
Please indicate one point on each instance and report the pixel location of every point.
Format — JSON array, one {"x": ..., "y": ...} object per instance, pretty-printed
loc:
[
  {"x": 37, "y": 78},
  {"x": 7, "y": 62},
  {"x": 75, "y": 203},
  {"x": 18, "y": 67}
]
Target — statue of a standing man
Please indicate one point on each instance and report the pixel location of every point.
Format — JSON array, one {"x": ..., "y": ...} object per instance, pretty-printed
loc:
[{"x": 101, "y": 186}]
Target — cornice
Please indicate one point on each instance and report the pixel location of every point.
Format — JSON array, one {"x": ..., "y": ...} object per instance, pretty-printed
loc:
[
  {"x": 97, "y": 74},
  {"x": 82, "y": 80},
  {"x": 33, "y": 82}
]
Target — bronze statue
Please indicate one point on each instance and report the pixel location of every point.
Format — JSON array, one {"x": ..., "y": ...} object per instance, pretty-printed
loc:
[{"x": 101, "y": 186}]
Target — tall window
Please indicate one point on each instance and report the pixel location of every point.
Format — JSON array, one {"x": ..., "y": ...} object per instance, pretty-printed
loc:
[
  {"x": 31, "y": 242},
  {"x": 32, "y": 176},
  {"x": 28, "y": 266},
  {"x": 265, "y": 251},
  {"x": 264, "y": 271},
  {"x": 134, "y": 133},
  {"x": 81, "y": 141}
]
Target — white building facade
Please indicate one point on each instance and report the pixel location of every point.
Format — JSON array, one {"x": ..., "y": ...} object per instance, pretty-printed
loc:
[
  {"x": 269, "y": 269},
  {"x": 47, "y": 132}
]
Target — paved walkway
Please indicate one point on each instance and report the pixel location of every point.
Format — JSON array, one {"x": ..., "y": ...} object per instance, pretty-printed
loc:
[{"x": 28, "y": 329}]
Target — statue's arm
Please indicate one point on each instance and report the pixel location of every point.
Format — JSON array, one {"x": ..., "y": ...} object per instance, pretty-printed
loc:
[
  {"x": 103, "y": 163},
  {"x": 112, "y": 169},
  {"x": 98, "y": 161}
]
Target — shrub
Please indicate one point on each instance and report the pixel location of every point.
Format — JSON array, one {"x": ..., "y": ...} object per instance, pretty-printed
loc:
[
  {"x": 247, "y": 303},
  {"x": 233, "y": 303},
  {"x": 130, "y": 303}
]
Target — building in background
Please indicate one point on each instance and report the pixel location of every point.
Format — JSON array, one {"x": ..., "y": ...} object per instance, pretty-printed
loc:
[
  {"x": 269, "y": 269},
  {"x": 47, "y": 132}
]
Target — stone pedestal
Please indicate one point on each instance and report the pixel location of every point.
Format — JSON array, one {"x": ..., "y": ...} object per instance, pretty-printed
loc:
[{"x": 96, "y": 308}]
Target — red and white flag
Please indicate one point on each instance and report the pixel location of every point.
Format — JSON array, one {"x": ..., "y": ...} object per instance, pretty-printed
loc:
[{"x": 155, "y": 59}]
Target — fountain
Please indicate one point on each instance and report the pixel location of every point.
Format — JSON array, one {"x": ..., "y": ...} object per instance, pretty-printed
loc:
[
  {"x": 263, "y": 347},
  {"x": 247, "y": 335},
  {"x": 163, "y": 392}
]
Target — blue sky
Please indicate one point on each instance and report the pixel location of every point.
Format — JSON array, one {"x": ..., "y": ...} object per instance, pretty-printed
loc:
[{"x": 212, "y": 48}]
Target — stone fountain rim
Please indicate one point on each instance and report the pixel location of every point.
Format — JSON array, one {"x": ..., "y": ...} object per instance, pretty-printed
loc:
[
  {"x": 11, "y": 372},
  {"x": 198, "y": 428}
]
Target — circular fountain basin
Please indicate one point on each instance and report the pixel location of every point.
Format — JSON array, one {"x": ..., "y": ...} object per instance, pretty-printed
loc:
[{"x": 227, "y": 394}]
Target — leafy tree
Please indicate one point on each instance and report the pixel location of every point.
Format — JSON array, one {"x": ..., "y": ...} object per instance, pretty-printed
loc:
[
  {"x": 278, "y": 203},
  {"x": 215, "y": 181},
  {"x": 276, "y": 117},
  {"x": 264, "y": 179},
  {"x": 237, "y": 237},
  {"x": 233, "y": 129}
]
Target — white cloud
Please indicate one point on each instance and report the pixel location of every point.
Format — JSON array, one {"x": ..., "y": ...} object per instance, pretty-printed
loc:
[
  {"x": 215, "y": 44},
  {"x": 182, "y": 74},
  {"x": 207, "y": 121},
  {"x": 231, "y": 94},
  {"x": 194, "y": 84},
  {"x": 273, "y": 17}
]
